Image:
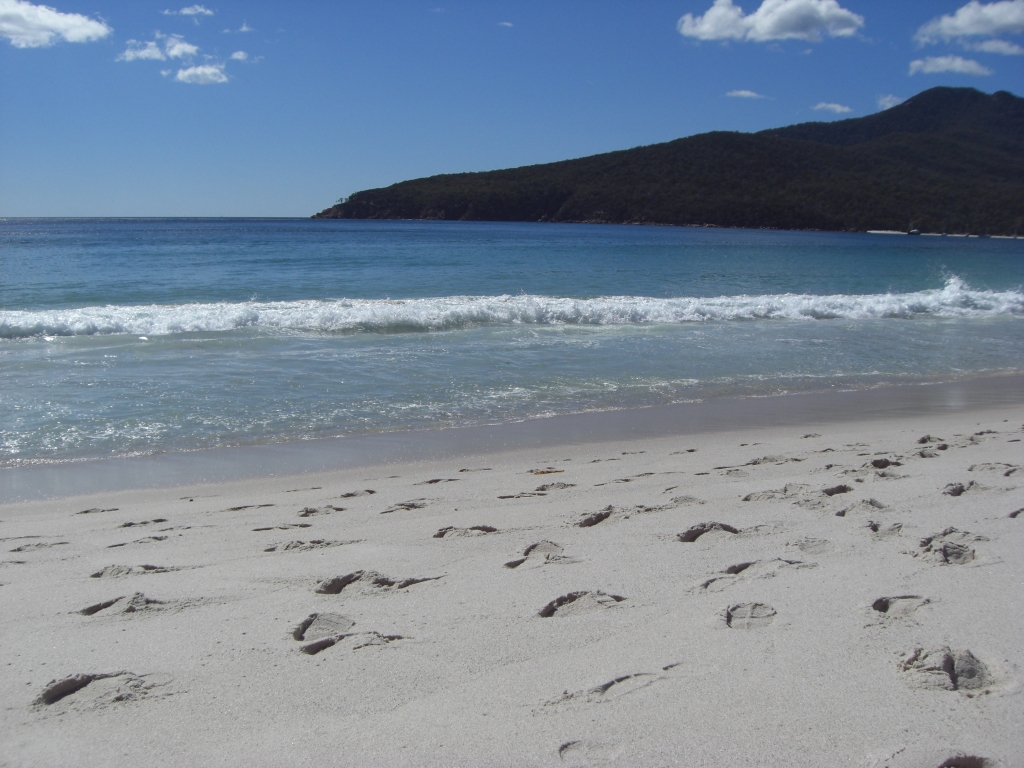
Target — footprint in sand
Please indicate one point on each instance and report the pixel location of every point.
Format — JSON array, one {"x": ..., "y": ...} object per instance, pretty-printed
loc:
[
  {"x": 306, "y": 546},
  {"x": 283, "y": 527},
  {"x": 949, "y": 547},
  {"x": 143, "y": 522},
  {"x": 959, "y": 489},
  {"x": 317, "y": 626},
  {"x": 324, "y": 510},
  {"x": 540, "y": 554},
  {"x": 699, "y": 530},
  {"x": 864, "y": 505},
  {"x": 91, "y": 691},
  {"x": 588, "y": 753},
  {"x": 596, "y": 518},
  {"x": 38, "y": 545},
  {"x": 963, "y": 760},
  {"x": 880, "y": 530},
  {"x": 354, "y": 494},
  {"x": 139, "y": 603},
  {"x": 883, "y": 463},
  {"x": 368, "y": 582},
  {"x": 749, "y": 571},
  {"x": 326, "y": 630},
  {"x": 789, "y": 491},
  {"x": 944, "y": 669},
  {"x": 625, "y": 479},
  {"x": 748, "y": 615},
  {"x": 609, "y": 691},
  {"x": 620, "y": 513},
  {"x": 405, "y": 506},
  {"x": 575, "y": 603},
  {"x": 474, "y": 530},
  {"x": 144, "y": 540},
  {"x": 553, "y": 487},
  {"x": 118, "y": 571},
  {"x": 1006, "y": 470},
  {"x": 94, "y": 510},
  {"x": 899, "y": 607},
  {"x": 812, "y": 546}
]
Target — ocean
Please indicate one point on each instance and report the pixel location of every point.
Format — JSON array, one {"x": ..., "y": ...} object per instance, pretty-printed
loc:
[{"x": 127, "y": 337}]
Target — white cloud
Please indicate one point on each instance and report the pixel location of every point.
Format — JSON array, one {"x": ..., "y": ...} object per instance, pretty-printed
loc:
[
  {"x": 823, "y": 106},
  {"x": 774, "y": 20},
  {"x": 505, "y": 24},
  {"x": 888, "y": 102},
  {"x": 245, "y": 28},
  {"x": 204, "y": 74},
  {"x": 1003, "y": 47},
  {"x": 176, "y": 48},
  {"x": 192, "y": 10},
  {"x": 139, "y": 50},
  {"x": 741, "y": 94},
  {"x": 37, "y": 26},
  {"x": 931, "y": 65},
  {"x": 239, "y": 55},
  {"x": 1005, "y": 17}
]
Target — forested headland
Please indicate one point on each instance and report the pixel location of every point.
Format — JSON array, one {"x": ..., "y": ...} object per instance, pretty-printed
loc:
[{"x": 946, "y": 160}]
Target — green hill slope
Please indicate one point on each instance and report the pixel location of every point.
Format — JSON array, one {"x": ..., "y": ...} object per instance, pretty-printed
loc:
[{"x": 948, "y": 159}]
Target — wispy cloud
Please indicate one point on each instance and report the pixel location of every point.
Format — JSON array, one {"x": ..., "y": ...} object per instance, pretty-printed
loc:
[
  {"x": 888, "y": 102},
  {"x": 1004, "y": 47},
  {"x": 192, "y": 10},
  {"x": 932, "y": 65},
  {"x": 27, "y": 25},
  {"x": 505, "y": 24},
  {"x": 239, "y": 55},
  {"x": 773, "y": 20},
  {"x": 826, "y": 106},
  {"x": 140, "y": 50},
  {"x": 1005, "y": 17},
  {"x": 245, "y": 28},
  {"x": 203, "y": 74},
  {"x": 174, "y": 47},
  {"x": 741, "y": 94}
]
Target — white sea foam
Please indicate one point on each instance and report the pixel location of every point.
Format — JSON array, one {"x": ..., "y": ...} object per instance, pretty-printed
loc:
[{"x": 954, "y": 300}]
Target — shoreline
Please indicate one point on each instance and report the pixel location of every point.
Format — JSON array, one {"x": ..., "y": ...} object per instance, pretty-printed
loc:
[{"x": 298, "y": 457}]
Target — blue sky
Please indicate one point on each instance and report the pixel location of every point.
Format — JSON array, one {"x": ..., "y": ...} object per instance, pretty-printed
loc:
[{"x": 138, "y": 108}]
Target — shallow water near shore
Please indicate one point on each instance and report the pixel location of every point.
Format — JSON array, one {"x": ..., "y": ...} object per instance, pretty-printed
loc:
[{"x": 138, "y": 337}]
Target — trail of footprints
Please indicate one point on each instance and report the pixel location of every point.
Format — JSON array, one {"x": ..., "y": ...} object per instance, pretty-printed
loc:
[{"x": 937, "y": 668}]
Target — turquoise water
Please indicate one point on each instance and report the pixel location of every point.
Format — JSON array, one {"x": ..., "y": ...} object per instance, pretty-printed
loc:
[{"x": 122, "y": 337}]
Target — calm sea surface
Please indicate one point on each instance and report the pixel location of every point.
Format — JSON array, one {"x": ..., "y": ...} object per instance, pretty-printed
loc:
[{"x": 122, "y": 337}]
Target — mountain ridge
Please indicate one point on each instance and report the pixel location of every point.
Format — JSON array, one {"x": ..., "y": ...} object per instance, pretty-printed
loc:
[{"x": 947, "y": 159}]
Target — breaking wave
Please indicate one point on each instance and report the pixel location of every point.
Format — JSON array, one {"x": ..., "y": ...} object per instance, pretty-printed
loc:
[{"x": 954, "y": 300}]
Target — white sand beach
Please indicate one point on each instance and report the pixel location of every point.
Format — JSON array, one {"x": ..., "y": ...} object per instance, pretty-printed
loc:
[{"x": 848, "y": 594}]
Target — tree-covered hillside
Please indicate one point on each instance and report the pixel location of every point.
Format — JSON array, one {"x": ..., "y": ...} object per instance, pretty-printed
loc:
[{"x": 948, "y": 159}]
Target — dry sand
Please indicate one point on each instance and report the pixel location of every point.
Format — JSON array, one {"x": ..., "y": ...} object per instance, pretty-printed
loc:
[{"x": 843, "y": 595}]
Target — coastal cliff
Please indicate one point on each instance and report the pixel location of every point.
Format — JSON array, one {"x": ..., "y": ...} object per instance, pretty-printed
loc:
[{"x": 946, "y": 160}]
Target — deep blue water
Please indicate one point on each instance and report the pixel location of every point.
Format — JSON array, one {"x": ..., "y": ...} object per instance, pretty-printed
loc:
[{"x": 140, "y": 336}]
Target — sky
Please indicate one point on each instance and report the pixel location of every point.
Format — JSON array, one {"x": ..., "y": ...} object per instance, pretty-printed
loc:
[{"x": 114, "y": 108}]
